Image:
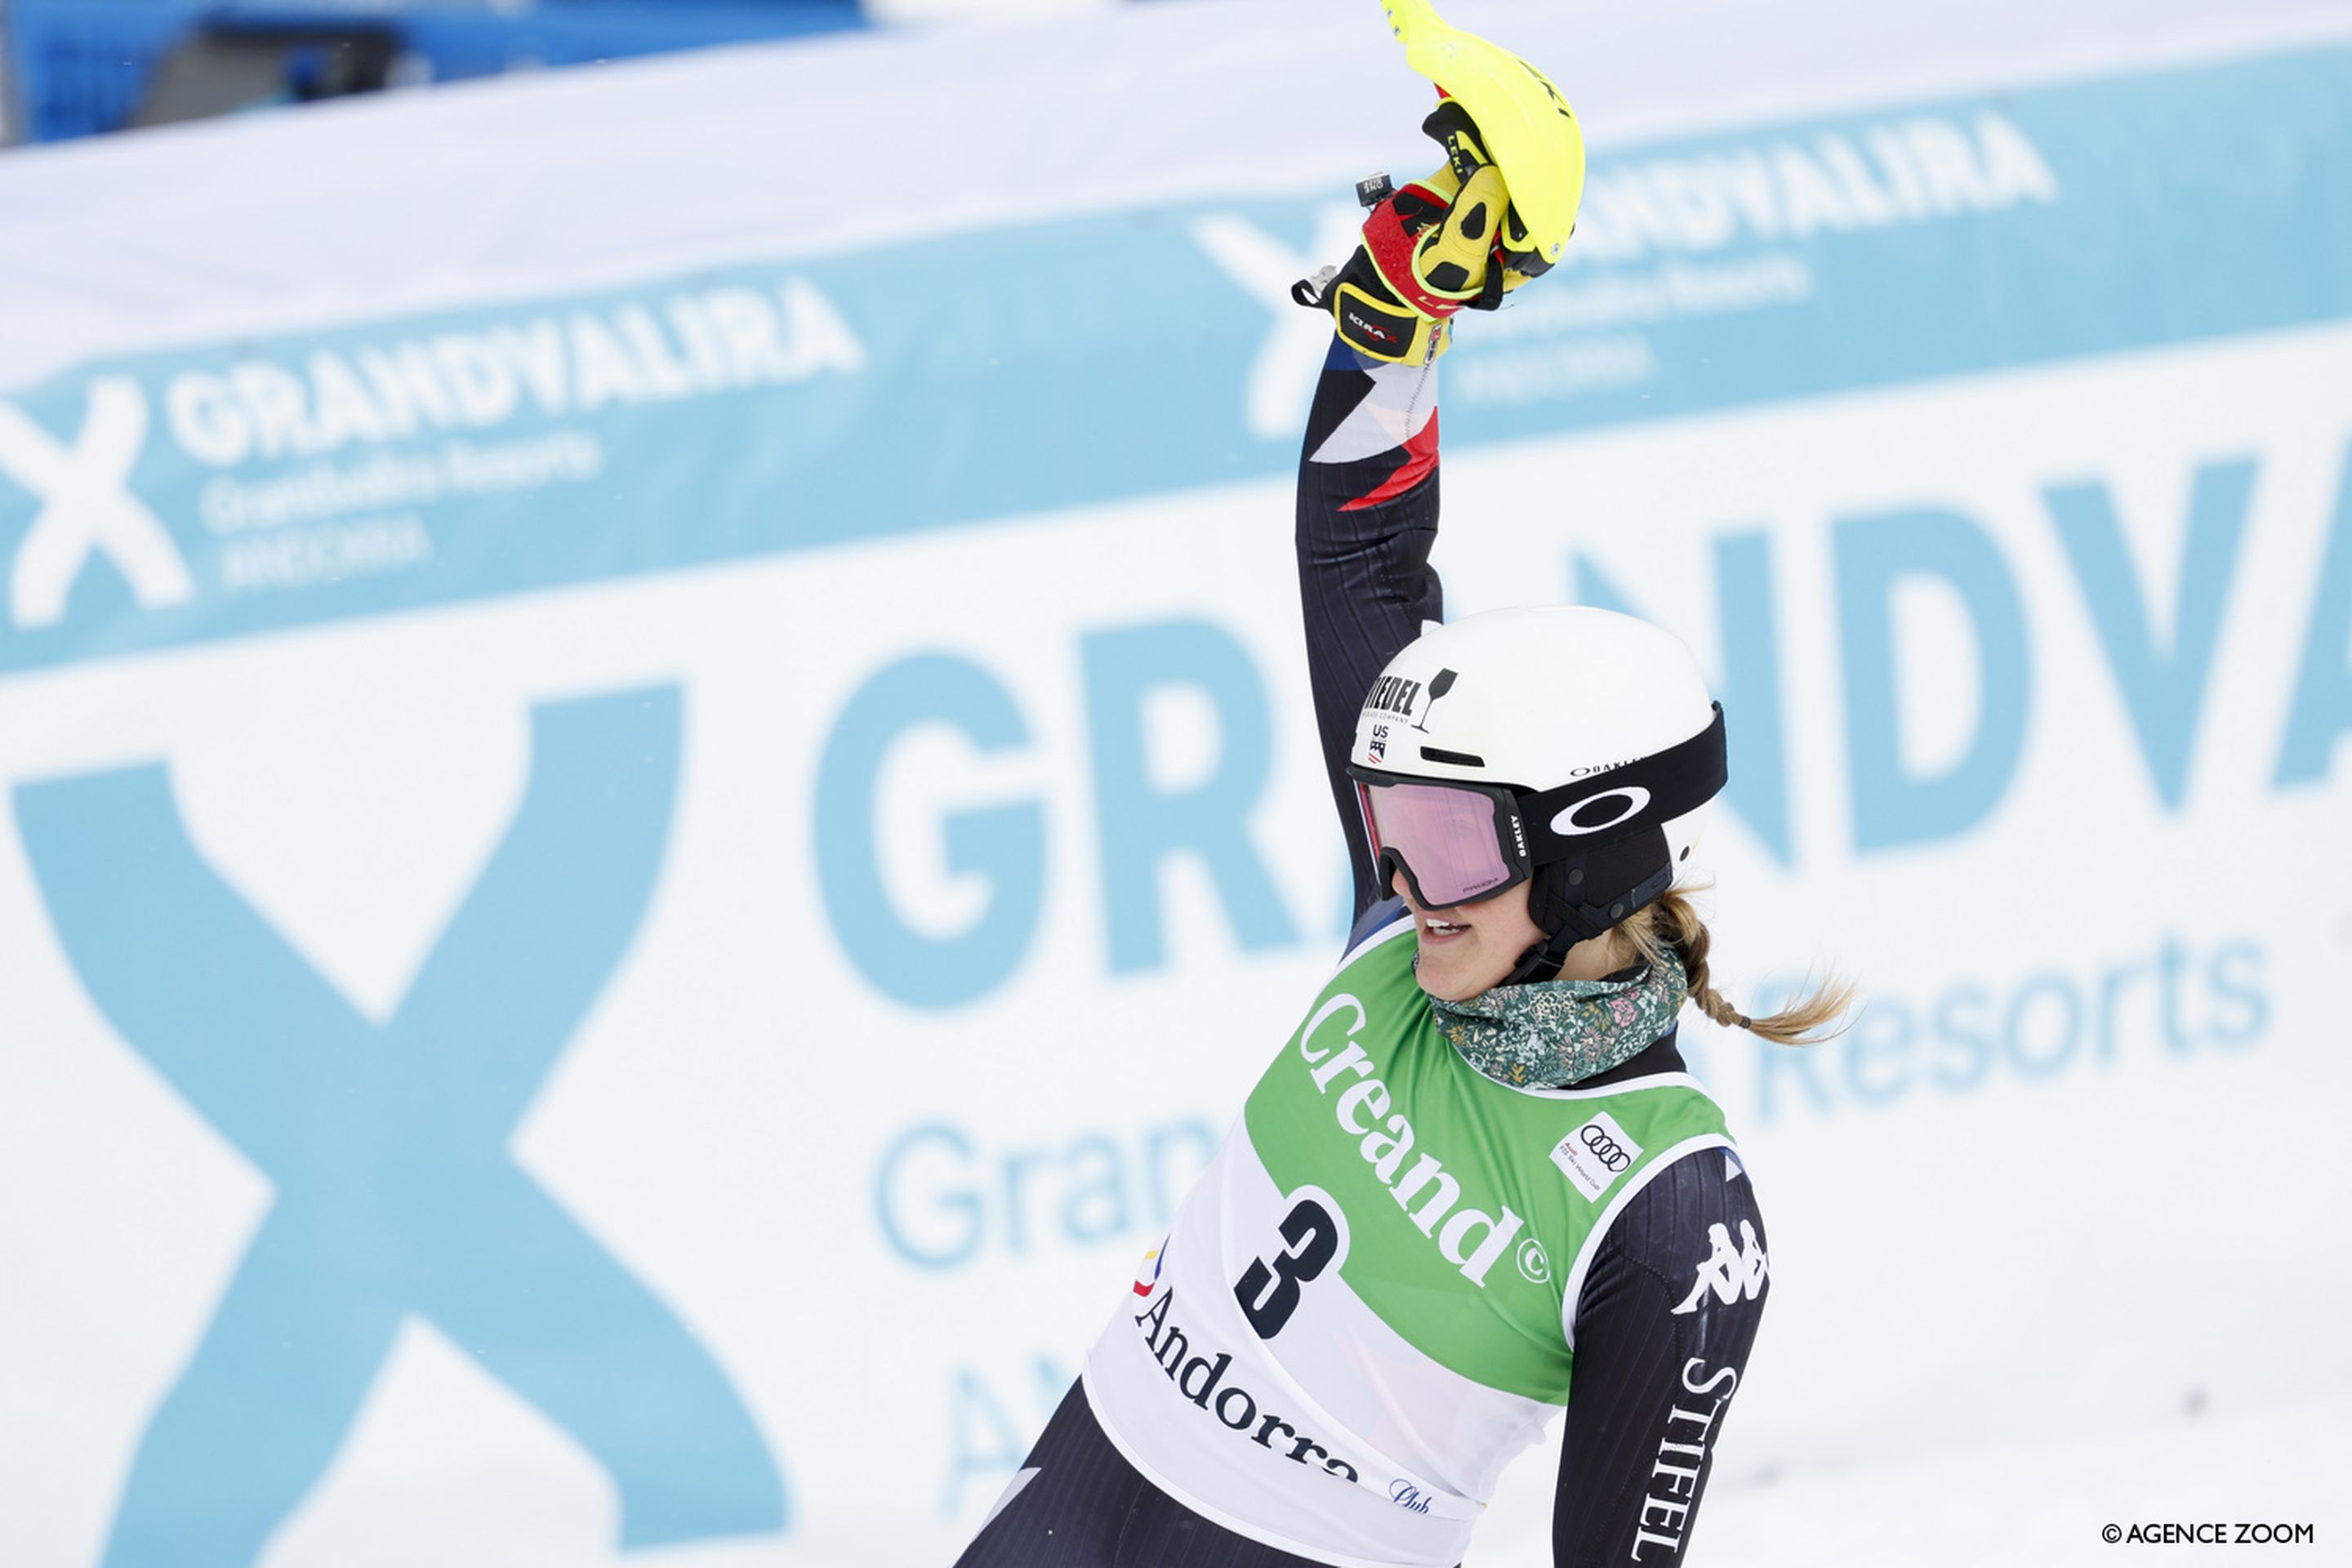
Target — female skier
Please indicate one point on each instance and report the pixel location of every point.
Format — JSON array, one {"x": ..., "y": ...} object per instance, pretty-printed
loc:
[{"x": 1478, "y": 1178}]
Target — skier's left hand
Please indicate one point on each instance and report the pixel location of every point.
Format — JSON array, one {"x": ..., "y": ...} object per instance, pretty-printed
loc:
[{"x": 1442, "y": 243}]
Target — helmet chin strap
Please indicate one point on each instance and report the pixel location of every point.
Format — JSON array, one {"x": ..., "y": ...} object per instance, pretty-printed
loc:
[{"x": 1579, "y": 899}]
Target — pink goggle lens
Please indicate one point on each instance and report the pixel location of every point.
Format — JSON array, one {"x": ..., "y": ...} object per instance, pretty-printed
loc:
[{"x": 1445, "y": 836}]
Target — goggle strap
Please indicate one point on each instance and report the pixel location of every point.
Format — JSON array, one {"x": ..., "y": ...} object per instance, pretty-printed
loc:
[
  {"x": 1622, "y": 801},
  {"x": 1581, "y": 922}
]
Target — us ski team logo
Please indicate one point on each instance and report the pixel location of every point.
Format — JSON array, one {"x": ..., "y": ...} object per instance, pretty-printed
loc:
[{"x": 1732, "y": 1273}]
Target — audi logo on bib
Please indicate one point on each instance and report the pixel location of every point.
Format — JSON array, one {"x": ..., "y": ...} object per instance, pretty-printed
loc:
[
  {"x": 1594, "y": 1155},
  {"x": 1605, "y": 1149}
]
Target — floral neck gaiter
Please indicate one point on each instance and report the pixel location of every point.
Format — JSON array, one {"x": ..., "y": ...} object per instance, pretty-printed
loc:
[{"x": 1560, "y": 1032}]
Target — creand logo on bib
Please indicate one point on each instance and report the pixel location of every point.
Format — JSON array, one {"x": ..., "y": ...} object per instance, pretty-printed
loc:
[
  {"x": 1594, "y": 1155},
  {"x": 1469, "y": 1238}
]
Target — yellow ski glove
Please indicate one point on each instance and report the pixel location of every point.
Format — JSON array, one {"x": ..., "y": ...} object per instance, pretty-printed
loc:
[{"x": 1445, "y": 242}]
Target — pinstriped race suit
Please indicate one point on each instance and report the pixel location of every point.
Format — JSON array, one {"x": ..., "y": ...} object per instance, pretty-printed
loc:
[{"x": 1397, "y": 1272}]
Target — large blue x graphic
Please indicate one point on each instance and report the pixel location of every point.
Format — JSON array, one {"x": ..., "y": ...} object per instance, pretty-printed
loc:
[{"x": 395, "y": 1193}]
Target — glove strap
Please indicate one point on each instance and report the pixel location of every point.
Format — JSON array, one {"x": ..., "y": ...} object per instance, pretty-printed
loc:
[
  {"x": 1371, "y": 323},
  {"x": 1391, "y": 247}
]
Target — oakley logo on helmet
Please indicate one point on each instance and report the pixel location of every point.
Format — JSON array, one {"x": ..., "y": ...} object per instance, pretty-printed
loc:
[{"x": 1594, "y": 812}]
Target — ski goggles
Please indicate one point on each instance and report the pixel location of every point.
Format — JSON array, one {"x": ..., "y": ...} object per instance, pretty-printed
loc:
[
  {"x": 1454, "y": 843},
  {"x": 1457, "y": 842}
]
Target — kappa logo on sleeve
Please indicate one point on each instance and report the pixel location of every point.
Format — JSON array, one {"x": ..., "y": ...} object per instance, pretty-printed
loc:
[
  {"x": 1732, "y": 1273},
  {"x": 1594, "y": 1155}
]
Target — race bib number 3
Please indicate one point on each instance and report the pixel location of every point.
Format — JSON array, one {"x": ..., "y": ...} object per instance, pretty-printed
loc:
[{"x": 1315, "y": 1238}]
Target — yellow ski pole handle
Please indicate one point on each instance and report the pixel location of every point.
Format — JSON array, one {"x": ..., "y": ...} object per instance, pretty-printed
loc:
[{"x": 1525, "y": 122}]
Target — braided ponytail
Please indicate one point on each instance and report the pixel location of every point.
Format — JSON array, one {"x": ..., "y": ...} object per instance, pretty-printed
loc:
[{"x": 1673, "y": 922}]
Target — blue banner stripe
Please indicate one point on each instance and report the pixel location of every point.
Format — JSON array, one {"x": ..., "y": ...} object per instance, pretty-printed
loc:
[{"x": 758, "y": 410}]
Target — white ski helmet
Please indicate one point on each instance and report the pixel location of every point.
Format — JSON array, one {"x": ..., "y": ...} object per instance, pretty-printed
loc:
[{"x": 1574, "y": 747}]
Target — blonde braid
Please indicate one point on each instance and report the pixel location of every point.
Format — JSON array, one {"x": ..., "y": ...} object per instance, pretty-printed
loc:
[{"x": 1674, "y": 922}]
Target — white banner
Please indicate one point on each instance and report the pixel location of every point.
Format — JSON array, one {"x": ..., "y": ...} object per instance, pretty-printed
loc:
[{"x": 627, "y": 892}]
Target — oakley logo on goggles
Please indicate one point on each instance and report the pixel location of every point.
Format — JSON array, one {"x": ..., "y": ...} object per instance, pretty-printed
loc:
[{"x": 1457, "y": 842}]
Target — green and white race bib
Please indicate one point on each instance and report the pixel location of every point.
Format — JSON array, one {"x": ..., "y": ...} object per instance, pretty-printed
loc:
[{"x": 1365, "y": 1309}]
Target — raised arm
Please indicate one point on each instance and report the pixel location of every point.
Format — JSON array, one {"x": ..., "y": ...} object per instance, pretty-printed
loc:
[
  {"x": 1368, "y": 475},
  {"x": 1367, "y": 518}
]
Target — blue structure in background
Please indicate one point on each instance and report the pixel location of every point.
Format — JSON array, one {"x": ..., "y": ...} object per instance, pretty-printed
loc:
[
  {"x": 399, "y": 1134},
  {"x": 81, "y": 66}
]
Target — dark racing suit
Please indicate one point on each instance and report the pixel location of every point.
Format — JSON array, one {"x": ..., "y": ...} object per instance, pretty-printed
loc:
[{"x": 1654, "y": 1350}]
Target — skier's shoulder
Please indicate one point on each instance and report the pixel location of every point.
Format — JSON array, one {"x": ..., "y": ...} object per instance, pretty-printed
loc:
[{"x": 1383, "y": 920}]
